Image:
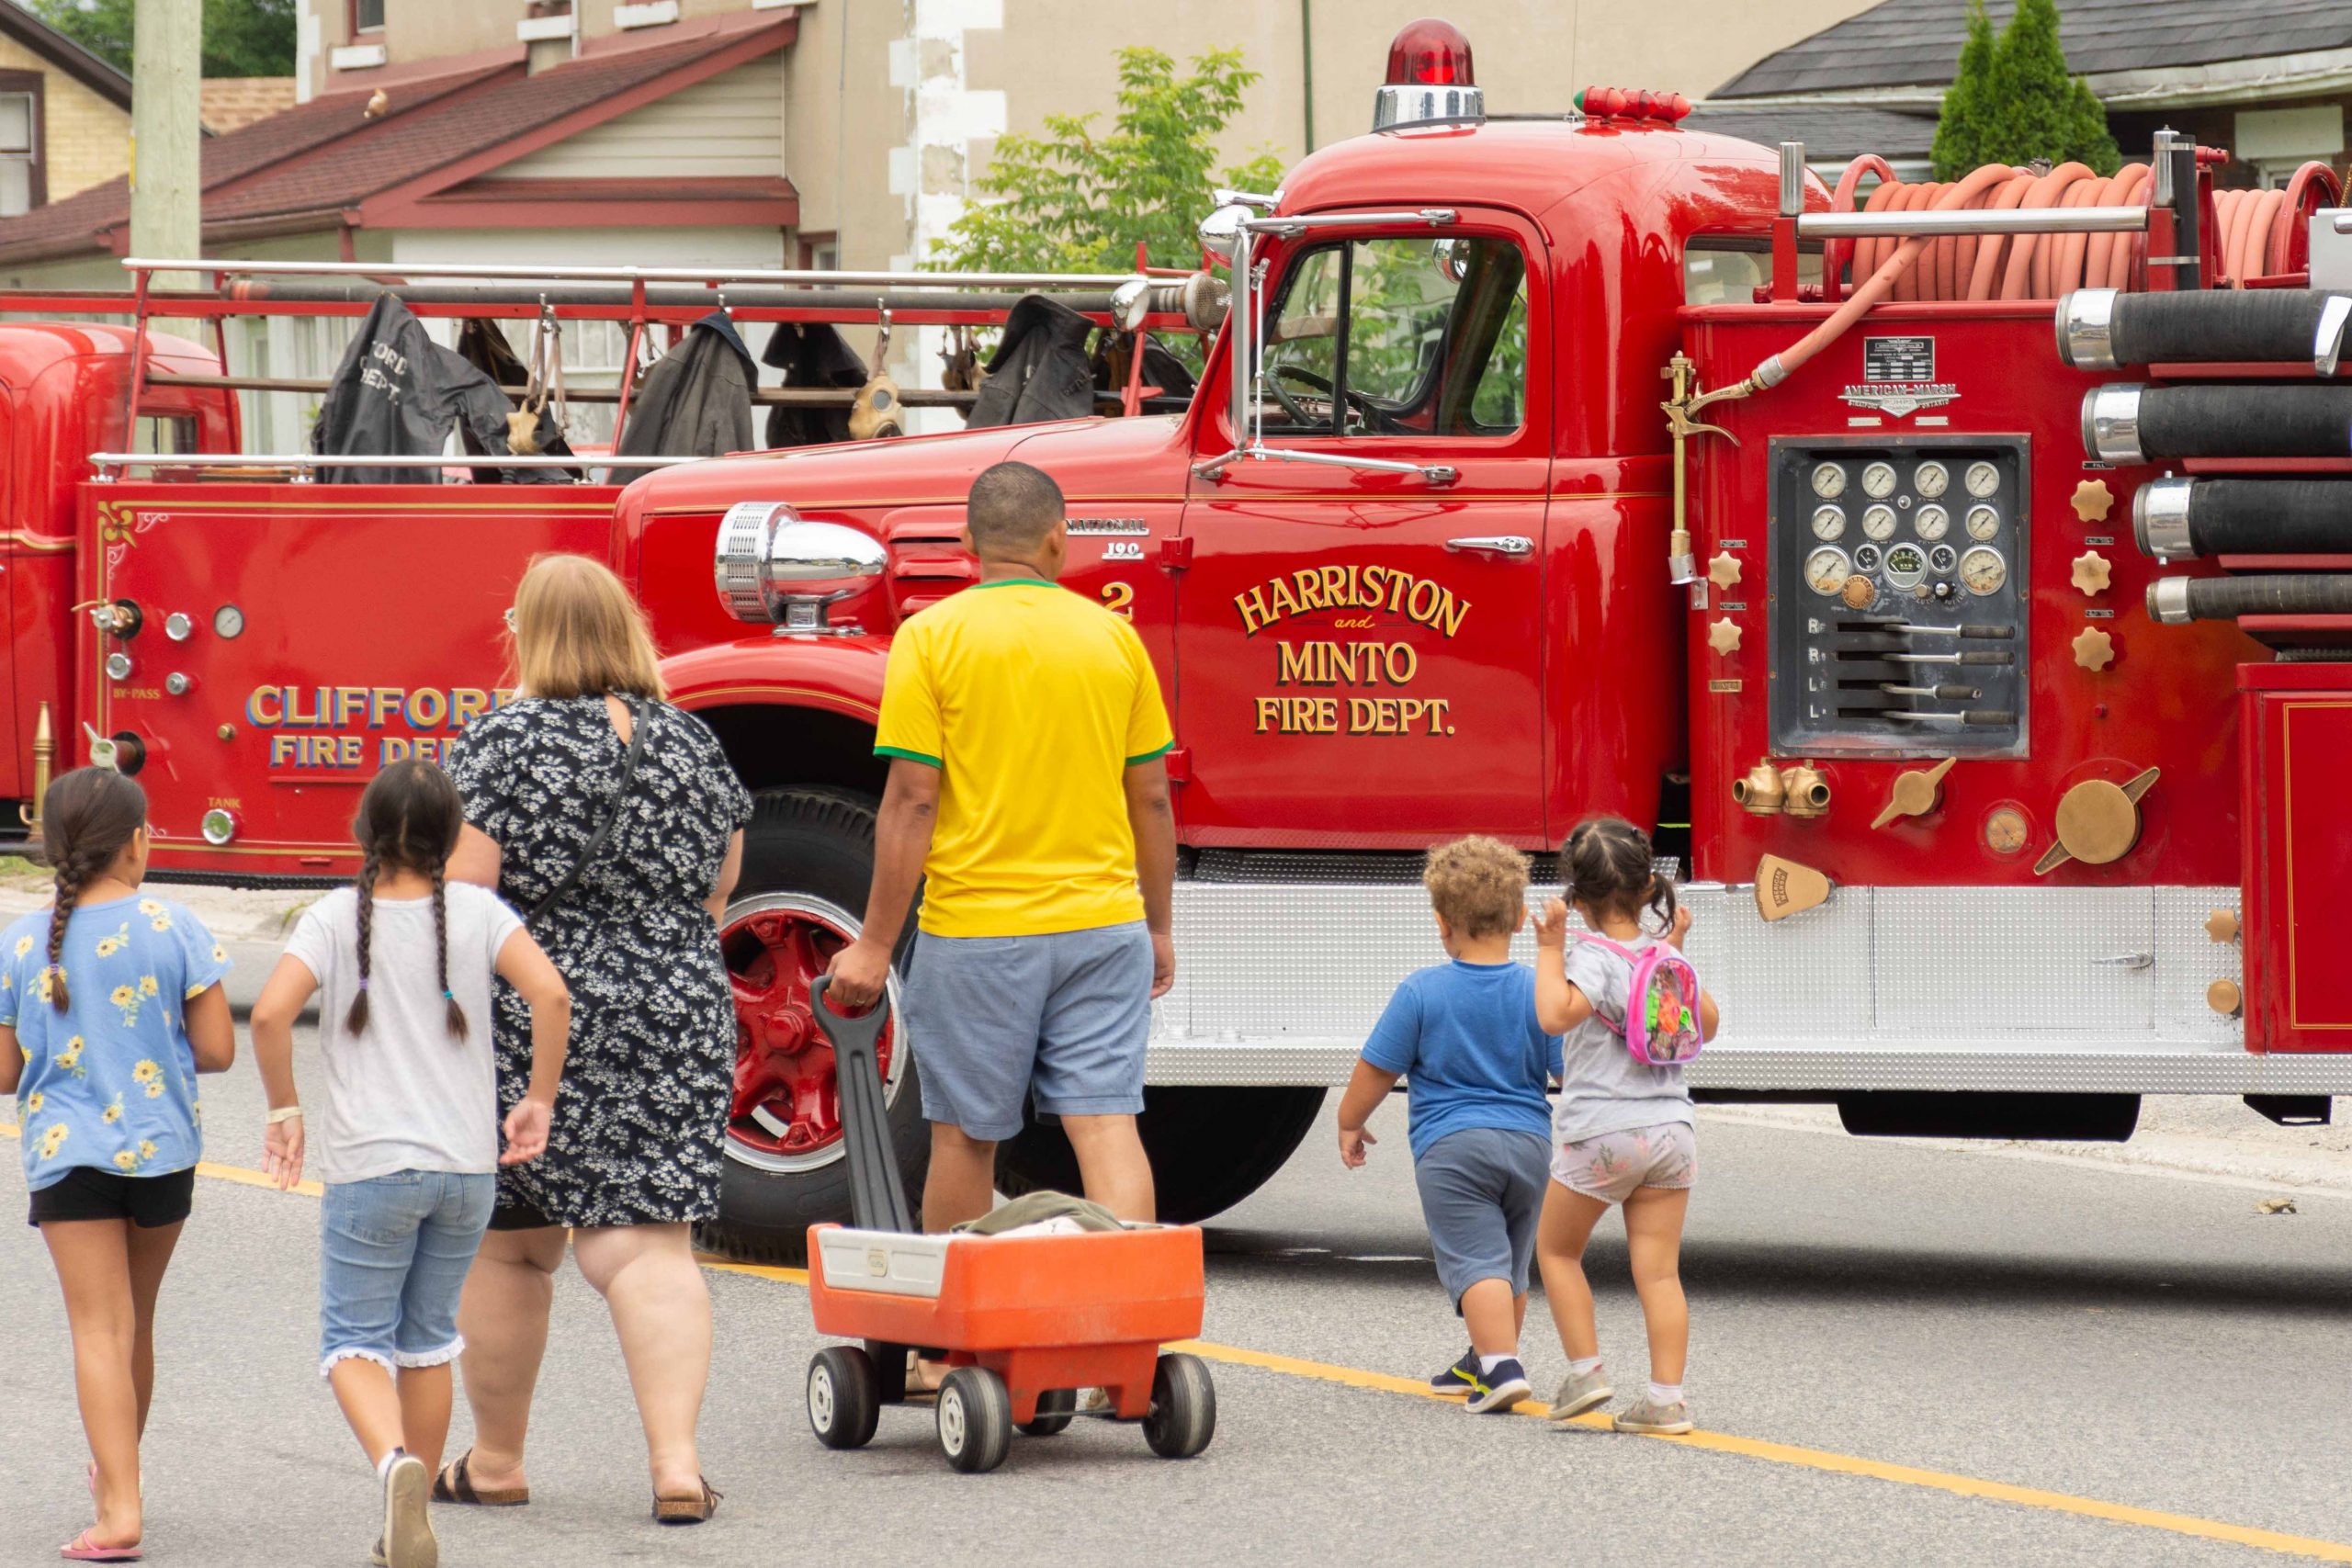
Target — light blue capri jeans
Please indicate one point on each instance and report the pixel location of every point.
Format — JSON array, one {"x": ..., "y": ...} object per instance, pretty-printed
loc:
[{"x": 393, "y": 1255}]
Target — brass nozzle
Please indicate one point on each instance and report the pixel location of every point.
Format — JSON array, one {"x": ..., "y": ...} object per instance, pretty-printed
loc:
[
  {"x": 1807, "y": 792},
  {"x": 1760, "y": 794}
]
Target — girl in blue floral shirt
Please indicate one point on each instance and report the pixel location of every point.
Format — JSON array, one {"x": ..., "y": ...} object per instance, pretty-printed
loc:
[{"x": 110, "y": 1005}]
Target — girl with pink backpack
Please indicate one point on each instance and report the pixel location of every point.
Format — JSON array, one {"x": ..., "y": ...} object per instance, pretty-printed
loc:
[{"x": 1634, "y": 1012}]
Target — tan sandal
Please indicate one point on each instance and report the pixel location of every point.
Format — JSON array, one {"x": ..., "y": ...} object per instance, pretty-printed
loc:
[
  {"x": 686, "y": 1510},
  {"x": 456, "y": 1485}
]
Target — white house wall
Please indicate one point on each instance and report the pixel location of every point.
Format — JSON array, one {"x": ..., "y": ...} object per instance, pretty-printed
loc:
[{"x": 732, "y": 124}]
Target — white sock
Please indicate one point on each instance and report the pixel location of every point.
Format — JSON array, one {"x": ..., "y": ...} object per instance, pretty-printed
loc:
[
  {"x": 384, "y": 1465},
  {"x": 1666, "y": 1392},
  {"x": 1487, "y": 1364},
  {"x": 1580, "y": 1367}
]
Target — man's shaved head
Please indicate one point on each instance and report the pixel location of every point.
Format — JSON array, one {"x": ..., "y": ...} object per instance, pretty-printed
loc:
[{"x": 1013, "y": 508}]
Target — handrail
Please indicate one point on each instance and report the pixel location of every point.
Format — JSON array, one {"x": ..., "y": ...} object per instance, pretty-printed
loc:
[
  {"x": 1033, "y": 281},
  {"x": 1971, "y": 220},
  {"x": 103, "y": 461}
]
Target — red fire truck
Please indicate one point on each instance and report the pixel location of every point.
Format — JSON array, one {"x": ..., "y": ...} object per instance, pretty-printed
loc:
[{"x": 1987, "y": 695}]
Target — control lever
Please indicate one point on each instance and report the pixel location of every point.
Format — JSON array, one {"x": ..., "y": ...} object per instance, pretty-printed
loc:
[
  {"x": 2004, "y": 659},
  {"x": 1942, "y": 694},
  {"x": 1994, "y": 716},
  {"x": 1973, "y": 629}
]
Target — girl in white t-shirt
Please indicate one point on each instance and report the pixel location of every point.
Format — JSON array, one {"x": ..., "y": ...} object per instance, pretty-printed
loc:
[
  {"x": 407, "y": 1140},
  {"x": 1621, "y": 1131}
]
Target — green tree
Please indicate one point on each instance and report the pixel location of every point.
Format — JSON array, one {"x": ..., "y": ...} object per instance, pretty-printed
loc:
[
  {"x": 1077, "y": 200},
  {"x": 2021, "y": 104},
  {"x": 1959, "y": 125},
  {"x": 241, "y": 38}
]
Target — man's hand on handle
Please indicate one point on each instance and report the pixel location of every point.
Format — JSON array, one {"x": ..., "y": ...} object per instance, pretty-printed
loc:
[{"x": 859, "y": 973}]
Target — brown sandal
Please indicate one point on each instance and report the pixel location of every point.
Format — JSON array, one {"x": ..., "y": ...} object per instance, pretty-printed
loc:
[
  {"x": 456, "y": 1485},
  {"x": 686, "y": 1510}
]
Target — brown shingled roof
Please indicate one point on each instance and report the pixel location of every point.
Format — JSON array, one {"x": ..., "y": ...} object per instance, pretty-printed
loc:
[{"x": 324, "y": 159}]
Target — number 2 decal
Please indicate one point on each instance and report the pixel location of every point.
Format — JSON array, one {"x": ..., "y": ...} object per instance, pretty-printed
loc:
[{"x": 1119, "y": 599}]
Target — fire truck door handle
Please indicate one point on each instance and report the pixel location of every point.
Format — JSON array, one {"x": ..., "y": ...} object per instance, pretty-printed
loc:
[
  {"x": 2127, "y": 960},
  {"x": 1512, "y": 545}
]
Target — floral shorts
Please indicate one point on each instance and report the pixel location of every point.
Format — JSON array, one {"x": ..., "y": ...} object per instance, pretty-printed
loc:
[{"x": 1611, "y": 1166}]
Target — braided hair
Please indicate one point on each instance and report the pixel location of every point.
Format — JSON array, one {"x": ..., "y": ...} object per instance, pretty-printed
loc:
[
  {"x": 87, "y": 817},
  {"x": 1608, "y": 863},
  {"x": 408, "y": 820}
]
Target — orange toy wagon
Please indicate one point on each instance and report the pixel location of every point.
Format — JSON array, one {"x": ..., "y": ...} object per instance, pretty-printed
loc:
[{"x": 1023, "y": 1321}]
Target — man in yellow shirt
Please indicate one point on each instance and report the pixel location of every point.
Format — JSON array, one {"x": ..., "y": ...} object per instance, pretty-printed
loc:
[{"x": 1026, "y": 733}]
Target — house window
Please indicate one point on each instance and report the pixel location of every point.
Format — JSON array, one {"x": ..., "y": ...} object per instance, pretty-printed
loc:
[
  {"x": 366, "y": 16},
  {"x": 20, "y": 170}
]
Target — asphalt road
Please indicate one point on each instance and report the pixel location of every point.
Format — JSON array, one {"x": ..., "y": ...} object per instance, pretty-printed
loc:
[{"x": 1882, "y": 1335}]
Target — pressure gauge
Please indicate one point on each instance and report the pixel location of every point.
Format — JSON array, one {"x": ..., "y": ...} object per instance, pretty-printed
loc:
[
  {"x": 1828, "y": 480},
  {"x": 1982, "y": 521},
  {"x": 1878, "y": 480},
  {"x": 1866, "y": 558},
  {"x": 1878, "y": 522},
  {"x": 1984, "y": 479},
  {"x": 1932, "y": 522},
  {"x": 1931, "y": 479},
  {"x": 228, "y": 621},
  {"x": 1983, "y": 572},
  {"x": 1940, "y": 559},
  {"x": 1828, "y": 522},
  {"x": 1825, "y": 571},
  {"x": 1906, "y": 564}
]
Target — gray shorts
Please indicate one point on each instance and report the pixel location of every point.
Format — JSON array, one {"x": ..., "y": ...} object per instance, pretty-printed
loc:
[
  {"x": 1481, "y": 1191},
  {"x": 1066, "y": 1015}
]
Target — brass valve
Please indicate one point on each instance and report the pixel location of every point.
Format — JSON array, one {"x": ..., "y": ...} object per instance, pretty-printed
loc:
[
  {"x": 1860, "y": 593},
  {"x": 2226, "y": 997},
  {"x": 1759, "y": 793},
  {"x": 2092, "y": 499},
  {"x": 1723, "y": 570},
  {"x": 2092, "y": 574},
  {"x": 2221, "y": 925},
  {"x": 2098, "y": 822},
  {"x": 1724, "y": 635},
  {"x": 1915, "y": 792},
  {"x": 1804, "y": 792},
  {"x": 2093, "y": 649}
]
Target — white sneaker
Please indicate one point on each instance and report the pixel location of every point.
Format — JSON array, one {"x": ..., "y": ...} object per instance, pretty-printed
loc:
[{"x": 408, "y": 1539}]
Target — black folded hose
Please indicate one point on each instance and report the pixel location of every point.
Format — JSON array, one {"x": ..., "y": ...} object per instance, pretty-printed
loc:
[
  {"x": 2176, "y": 601},
  {"x": 2101, "y": 328},
  {"x": 2180, "y": 518},
  {"x": 2128, "y": 423}
]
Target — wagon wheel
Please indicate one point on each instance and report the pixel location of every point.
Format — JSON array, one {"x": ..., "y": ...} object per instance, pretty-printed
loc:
[
  {"x": 843, "y": 1400},
  {"x": 1183, "y": 1407},
  {"x": 975, "y": 1419}
]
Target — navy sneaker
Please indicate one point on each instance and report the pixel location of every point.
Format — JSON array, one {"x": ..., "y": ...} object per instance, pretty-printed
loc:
[
  {"x": 1459, "y": 1377},
  {"x": 1491, "y": 1392}
]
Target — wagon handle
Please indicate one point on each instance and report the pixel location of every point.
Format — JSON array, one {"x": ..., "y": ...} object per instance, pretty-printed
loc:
[{"x": 878, "y": 1200}]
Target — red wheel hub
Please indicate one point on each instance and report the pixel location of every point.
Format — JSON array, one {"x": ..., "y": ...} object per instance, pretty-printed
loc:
[{"x": 787, "y": 1101}]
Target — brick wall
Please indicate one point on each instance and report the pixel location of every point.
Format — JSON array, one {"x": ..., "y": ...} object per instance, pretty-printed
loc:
[{"x": 87, "y": 139}]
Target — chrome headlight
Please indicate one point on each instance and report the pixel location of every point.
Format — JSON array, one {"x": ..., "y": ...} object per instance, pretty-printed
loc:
[{"x": 770, "y": 565}]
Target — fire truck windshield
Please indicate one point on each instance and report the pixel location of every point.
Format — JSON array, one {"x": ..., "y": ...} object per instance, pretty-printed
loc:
[{"x": 1405, "y": 334}]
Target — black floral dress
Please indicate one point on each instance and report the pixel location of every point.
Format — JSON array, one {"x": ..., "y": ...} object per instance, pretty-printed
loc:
[{"x": 639, "y": 1126}]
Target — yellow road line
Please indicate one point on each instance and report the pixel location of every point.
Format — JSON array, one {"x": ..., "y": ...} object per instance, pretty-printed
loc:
[{"x": 1714, "y": 1443}]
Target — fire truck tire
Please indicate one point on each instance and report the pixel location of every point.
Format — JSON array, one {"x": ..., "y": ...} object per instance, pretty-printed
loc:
[
  {"x": 817, "y": 844},
  {"x": 1210, "y": 1148}
]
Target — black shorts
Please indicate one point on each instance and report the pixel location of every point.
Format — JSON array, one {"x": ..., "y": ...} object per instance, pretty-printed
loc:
[
  {"x": 518, "y": 1216},
  {"x": 85, "y": 1192}
]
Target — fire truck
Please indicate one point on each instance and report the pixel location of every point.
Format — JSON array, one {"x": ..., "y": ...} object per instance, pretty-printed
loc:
[{"x": 1956, "y": 580}]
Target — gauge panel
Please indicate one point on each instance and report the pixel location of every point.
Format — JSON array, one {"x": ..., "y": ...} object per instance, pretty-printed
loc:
[{"x": 1933, "y": 567}]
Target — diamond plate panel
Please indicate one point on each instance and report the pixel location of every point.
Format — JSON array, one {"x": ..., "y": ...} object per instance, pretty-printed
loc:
[
  {"x": 2014, "y": 959},
  {"x": 1810, "y": 972},
  {"x": 2187, "y": 961}
]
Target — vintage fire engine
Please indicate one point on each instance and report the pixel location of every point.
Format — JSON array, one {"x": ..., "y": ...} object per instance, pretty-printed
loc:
[{"x": 1987, "y": 694}]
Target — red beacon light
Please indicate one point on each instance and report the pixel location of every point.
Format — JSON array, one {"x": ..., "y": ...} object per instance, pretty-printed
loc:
[
  {"x": 1618, "y": 102},
  {"x": 1430, "y": 78}
]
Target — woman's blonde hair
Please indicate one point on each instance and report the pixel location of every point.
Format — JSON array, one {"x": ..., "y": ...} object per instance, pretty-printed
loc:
[{"x": 578, "y": 632}]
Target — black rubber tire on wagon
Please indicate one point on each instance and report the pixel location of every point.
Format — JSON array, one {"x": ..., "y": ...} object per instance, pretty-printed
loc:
[
  {"x": 975, "y": 1417},
  {"x": 1056, "y": 1407},
  {"x": 844, "y": 1404},
  {"x": 1183, "y": 1407},
  {"x": 1210, "y": 1148},
  {"x": 814, "y": 845}
]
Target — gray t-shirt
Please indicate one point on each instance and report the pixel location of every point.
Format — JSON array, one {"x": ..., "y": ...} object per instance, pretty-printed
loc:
[
  {"x": 406, "y": 1095},
  {"x": 1602, "y": 1089}
]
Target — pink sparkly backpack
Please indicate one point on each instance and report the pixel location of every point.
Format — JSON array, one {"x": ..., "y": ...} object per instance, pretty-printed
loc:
[{"x": 1661, "y": 1025}]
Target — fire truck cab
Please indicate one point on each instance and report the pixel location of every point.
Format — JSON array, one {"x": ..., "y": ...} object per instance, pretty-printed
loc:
[{"x": 1543, "y": 467}]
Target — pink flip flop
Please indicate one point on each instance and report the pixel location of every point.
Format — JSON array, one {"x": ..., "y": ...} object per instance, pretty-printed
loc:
[{"x": 82, "y": 1550}]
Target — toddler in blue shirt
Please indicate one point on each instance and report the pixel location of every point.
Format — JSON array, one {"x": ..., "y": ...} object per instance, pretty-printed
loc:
[{"x": 1464, "y": 1038}]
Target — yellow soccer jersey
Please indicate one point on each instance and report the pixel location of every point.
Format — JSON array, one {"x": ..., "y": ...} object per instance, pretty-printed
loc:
[{"x": 1032, "y": 703}]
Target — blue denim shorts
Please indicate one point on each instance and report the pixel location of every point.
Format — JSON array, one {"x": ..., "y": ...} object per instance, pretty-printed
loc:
[
  {"x": 1067, "y": 1015},
  {"x": 393, "y": 1255}
]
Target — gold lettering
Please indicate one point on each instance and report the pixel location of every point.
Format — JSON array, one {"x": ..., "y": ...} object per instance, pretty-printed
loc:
[
  {"x": 1269, "y": 712},
  {"x": 1286, "y": 605},
  {"x": 1336, "y": 595},
  {"x": 1423, "y": 603},
  {"x": 1452, "y": 615},
  {"x": 1310, "y": 588},
  {"x": 1291, "y": 664},
  {"x": 1401, "y": 663},
  {"x": 1397, "y": 583},
  {"x": 1254, "y": 613}
]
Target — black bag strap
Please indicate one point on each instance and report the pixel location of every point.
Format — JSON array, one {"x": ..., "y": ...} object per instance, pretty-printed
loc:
[{"x": 604, "y": 829}]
